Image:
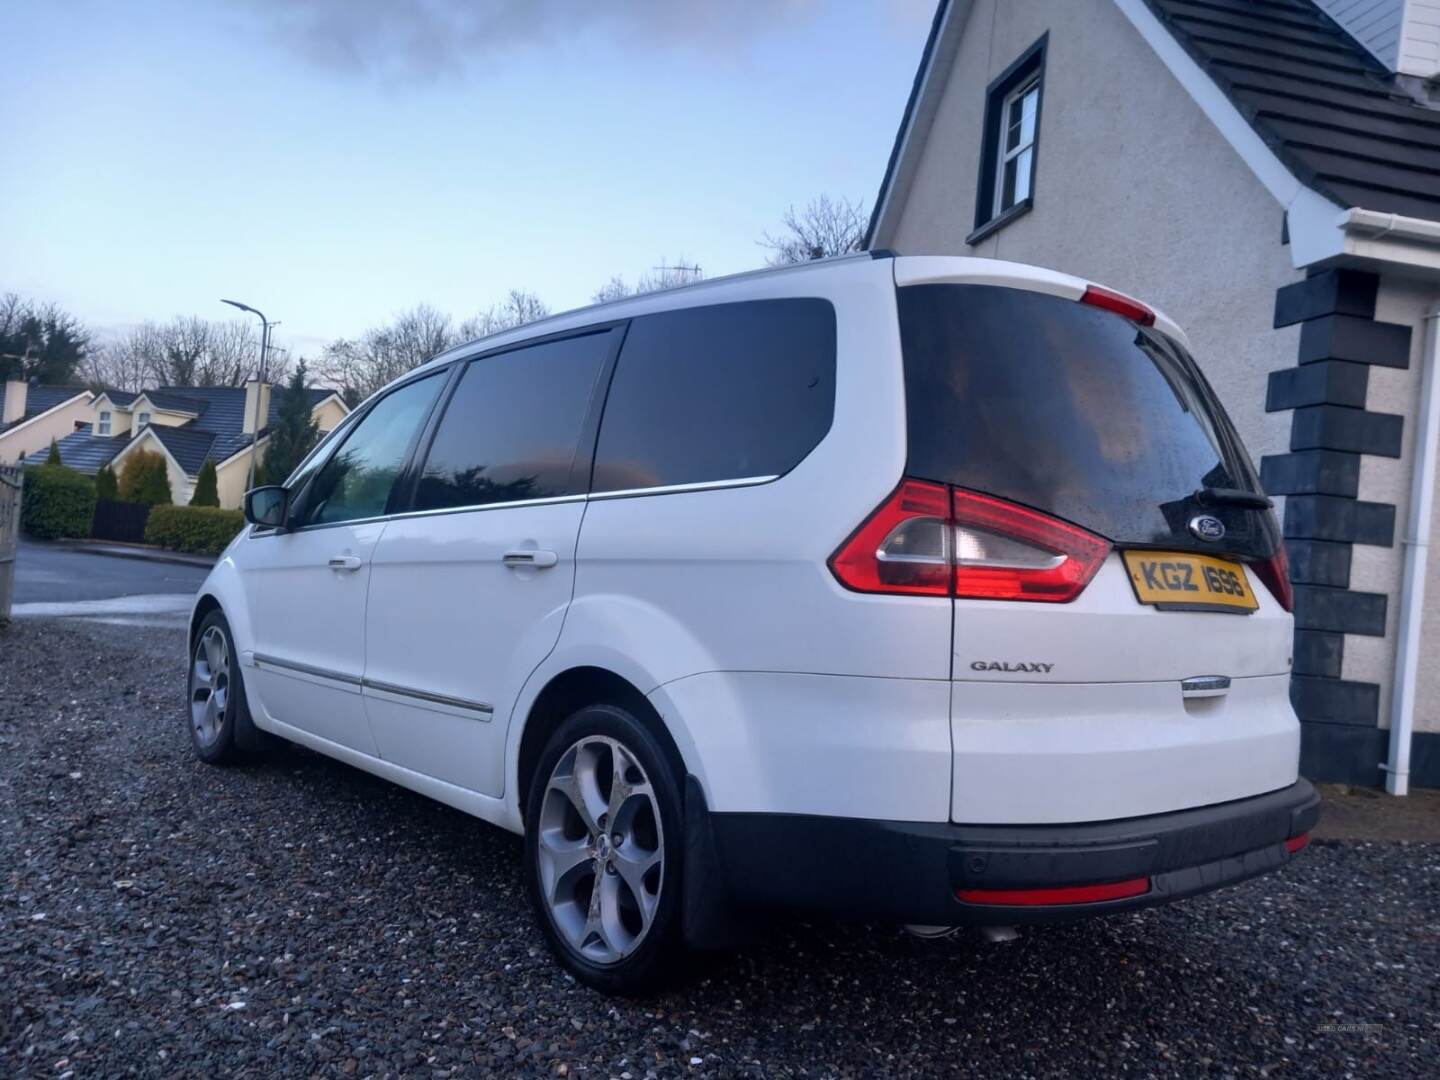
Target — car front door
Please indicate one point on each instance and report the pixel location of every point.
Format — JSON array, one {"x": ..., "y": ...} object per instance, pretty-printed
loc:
[
  {"x": 311, "y": 578},
  {"x": 468, "y": 589}
]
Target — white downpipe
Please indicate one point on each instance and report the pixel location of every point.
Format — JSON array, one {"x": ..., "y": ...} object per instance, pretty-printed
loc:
[{"x": 1417, "y": 545}]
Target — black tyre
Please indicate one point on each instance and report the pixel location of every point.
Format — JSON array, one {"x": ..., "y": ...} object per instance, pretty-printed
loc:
[
  {"x": 218, "y": 714},
  {"x": 603, "y": 848}
]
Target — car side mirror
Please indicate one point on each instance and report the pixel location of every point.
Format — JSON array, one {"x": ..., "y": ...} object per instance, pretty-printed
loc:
[{"x": 267, "y": 506}]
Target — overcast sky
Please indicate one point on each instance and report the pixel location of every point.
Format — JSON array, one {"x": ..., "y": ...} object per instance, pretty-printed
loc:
[{"x": 335, "y": 161}]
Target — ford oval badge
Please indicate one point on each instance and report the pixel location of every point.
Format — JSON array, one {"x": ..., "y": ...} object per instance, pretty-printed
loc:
[{"x": 1207, "y": 527}]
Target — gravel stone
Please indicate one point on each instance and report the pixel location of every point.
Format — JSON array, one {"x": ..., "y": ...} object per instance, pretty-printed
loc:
[{"x": 159, "y": 917}]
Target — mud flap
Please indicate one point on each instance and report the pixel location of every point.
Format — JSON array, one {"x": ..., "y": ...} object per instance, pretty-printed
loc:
[{"x": 709, "y": 918}]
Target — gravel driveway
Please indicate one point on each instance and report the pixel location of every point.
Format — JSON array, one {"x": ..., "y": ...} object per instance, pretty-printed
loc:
[{"x": 158, "y": 917}]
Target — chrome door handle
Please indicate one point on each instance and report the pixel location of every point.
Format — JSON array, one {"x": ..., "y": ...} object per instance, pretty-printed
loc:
[
  {"x": 345, "y": 562},
  {"x": 530, "y": 557}
]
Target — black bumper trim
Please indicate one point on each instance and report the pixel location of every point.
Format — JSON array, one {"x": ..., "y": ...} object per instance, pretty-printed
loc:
[{"x": 909, "y": 871}]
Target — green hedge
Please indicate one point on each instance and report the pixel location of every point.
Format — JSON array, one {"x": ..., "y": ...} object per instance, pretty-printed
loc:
[
  {"x": 202, "y": 529},
  {"x": 58, "y": 502}
]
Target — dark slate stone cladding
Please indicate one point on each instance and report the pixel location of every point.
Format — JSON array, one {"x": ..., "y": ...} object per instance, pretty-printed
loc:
[
  {"x": 1328, "y": 109},
  {"x": 1329, "y": 431},
  {"x": 1333, "y": 382},
  {"x": 1312, "y": 472},
  {"x": 1349, "y": 337}
]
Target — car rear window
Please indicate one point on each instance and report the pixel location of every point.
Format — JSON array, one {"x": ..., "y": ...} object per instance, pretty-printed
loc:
[
  {"x": 1072, "y": 410},
  {"x": 723, "y": 392}
]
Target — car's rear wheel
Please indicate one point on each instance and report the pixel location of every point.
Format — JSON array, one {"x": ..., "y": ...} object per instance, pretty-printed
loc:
[
  {"x": 217, "y": 710},
  {"x": 603, "y": 847}
]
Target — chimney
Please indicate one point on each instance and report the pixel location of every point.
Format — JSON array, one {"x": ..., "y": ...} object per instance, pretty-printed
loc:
[
  {"x": 257, "y": 404},
  {"x": 1404, "y": 35},
  {"x": 16, "y": 391}
]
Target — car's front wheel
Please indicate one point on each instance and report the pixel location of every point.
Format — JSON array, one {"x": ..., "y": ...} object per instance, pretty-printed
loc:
[
  {"x": 218, "y": 712},
  {"x": 603, "y": 844}
]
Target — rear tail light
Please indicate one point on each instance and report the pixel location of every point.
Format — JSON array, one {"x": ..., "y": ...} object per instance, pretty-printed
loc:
[
  {"x": 930, "y": 540},
  {"x": 1119, "y": 303},
  {"x": 1297, "y": 843},
  {"x": 1064, "y": 894},
  {"x": 1275, "y": 573}
]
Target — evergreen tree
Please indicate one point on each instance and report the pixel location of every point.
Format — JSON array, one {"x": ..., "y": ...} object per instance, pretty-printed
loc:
[
  {"x": 294, "y": 433},
  {"x": 53, "y": 458},
  {"x": 207, "y": 493},
  {"x": 144, "y": 478},
  {"x": 106, "y": 487}
]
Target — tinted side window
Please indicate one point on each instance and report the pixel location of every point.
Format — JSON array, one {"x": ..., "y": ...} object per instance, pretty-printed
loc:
[
  {"x": 356, "y": 481},
  {"x": 512, "y": 428},
  {"x": 718, "y": 393}
]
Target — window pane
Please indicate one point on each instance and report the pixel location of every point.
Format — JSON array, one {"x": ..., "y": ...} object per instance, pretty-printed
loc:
[
  {"x": 1022, "y": 174},
  {"x": 1007, "y": 185},
  {"x": 356, "y": 481},
  {"x": 512, "y": 428},
  {"x": 1029, "y": 102},
  {"x": 718, "y": 393}
]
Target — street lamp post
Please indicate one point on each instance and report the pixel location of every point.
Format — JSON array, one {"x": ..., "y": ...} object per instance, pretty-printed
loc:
[{"x": 265, "y": 325}]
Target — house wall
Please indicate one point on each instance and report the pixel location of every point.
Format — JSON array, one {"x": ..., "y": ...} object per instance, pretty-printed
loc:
[
  {"x": 1192, "y": 232},
  {"x": 33, "y": 438},
  {"x": 119, "y": 418},
  {"x": 329, "y": 413},
  {"x": 232, "y": 476},
  {"x": 181, "y": 486}
]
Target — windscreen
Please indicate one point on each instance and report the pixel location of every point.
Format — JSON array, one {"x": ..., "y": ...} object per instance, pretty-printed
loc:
[{"x": 1074, "y": 411}]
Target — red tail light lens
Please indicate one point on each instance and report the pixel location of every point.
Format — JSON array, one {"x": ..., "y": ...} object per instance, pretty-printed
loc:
[
  {"x": 1009, "y": 552},
  {"x": 1297, "y": 843},
  {"x": 1275, "y": 573},
  {"x": 903, "y": 547},
  {"x": 930, "y": 540},
  {"x": 1119, "y": 303}
]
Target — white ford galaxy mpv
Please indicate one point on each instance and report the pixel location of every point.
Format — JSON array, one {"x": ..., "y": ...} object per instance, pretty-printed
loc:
[{"x": 932, "y": 590}]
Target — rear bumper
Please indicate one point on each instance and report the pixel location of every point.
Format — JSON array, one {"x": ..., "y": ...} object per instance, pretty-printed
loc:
[{"x": 912, "y": 872}]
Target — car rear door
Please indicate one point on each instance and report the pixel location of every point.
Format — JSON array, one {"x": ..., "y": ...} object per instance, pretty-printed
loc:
[
  {"x": 1117, "y": 651},
  {"x": 469, "y": 588}
]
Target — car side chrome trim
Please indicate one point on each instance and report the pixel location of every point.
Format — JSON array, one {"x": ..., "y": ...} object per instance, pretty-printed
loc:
[
  {"x": 263, "y": 660},
  {"x": 665, "y": 489},
  {"x": 426, "y": 695}
]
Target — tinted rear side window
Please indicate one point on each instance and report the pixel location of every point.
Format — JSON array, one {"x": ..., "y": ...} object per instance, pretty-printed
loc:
[
  {"x": 1072, "y": 410},
  {"x": 512, "y": 429},
  {"x": 726, "y": 392}
]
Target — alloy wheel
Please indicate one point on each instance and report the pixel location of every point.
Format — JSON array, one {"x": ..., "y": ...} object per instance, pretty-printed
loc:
[
  {"x": 209, "y": 685},
  {"x": 601, "y": 849}
]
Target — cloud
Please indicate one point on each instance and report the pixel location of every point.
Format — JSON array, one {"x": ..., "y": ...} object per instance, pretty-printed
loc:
[{"x": 425, "y": 40}]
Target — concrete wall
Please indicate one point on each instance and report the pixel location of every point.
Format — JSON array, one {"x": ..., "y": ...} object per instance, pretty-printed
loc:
[
  {"x": 1134, "y": 188},
  {"x": 32, "y": 439}
]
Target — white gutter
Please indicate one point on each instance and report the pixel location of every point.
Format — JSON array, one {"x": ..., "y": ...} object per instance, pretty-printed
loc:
[{"x": 1417, "y": 546}]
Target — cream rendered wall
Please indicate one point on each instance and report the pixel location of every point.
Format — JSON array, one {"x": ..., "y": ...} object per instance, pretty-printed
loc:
[
  {"x": 120, "y": 419},
  {"x": 329, "y": 413},
  {"x": 181, "y": 486},
  {"x": 1134, "y": 188},
  {"x": 32, "y": 439},
  {"x": 232, "y": 476}
]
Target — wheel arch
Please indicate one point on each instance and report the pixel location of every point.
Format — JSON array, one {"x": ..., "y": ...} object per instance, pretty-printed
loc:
[
  {"x": 205, "y": 603},
  {"x": 573, "y": 689}
]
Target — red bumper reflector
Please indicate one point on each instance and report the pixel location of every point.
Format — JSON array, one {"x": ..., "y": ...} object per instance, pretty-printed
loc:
[
  {"x": 1295, "y": 843},
  {"x": 1064, "y": 894}
]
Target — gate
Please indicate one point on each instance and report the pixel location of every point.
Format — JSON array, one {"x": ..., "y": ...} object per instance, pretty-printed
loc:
[
  {"x": 12, "y": 479},
  {"x": 116, "y": 520}
]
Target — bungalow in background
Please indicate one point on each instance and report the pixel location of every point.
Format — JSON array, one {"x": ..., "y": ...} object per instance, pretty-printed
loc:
[{"x": 185, "y": 424}]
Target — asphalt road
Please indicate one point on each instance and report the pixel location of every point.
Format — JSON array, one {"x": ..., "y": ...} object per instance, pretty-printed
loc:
[
  {"x": 159, "y": 917},
  {"x": 53, "y": 573}
]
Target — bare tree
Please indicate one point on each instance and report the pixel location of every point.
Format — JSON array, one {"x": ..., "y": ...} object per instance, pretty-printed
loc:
[
  {"x": 186, "y": 351},
  {"x": 825, "y": 227},
  {"x": 518, "y": 308},
  {"x": 664, "y": 276},
  {"x": 359, "y": 367}
]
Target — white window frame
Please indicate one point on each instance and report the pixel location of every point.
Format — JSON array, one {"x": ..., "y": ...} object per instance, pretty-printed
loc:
[
  {"x": 141, "y": 419},
  {"x": 1003, "y": 157},
  {"x": 103, "y": 426}
]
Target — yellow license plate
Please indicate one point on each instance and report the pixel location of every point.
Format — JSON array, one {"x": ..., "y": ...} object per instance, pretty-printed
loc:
[{"x": 1179, "y": 581}]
